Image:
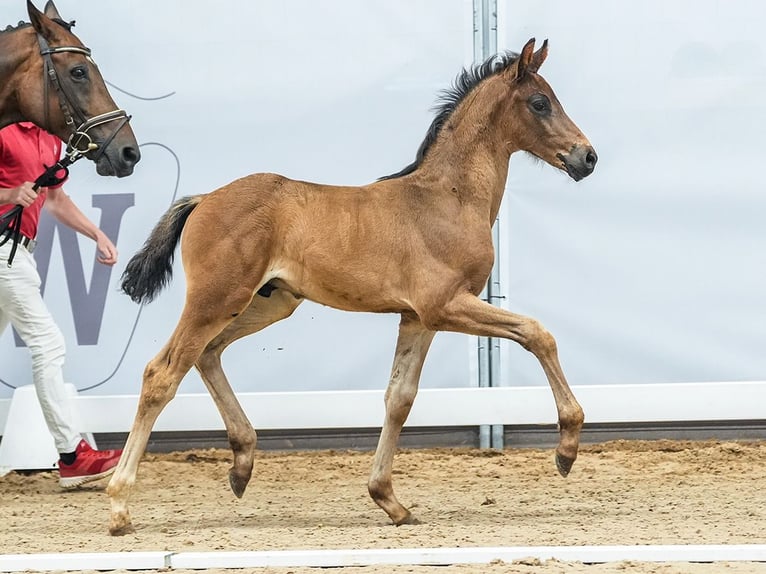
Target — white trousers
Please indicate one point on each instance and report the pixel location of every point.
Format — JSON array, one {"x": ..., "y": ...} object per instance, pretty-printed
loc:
[{"x": 22, "y": 305}]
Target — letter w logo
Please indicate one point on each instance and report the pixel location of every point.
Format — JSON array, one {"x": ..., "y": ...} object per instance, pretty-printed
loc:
[{"x": 87, "y": 303}]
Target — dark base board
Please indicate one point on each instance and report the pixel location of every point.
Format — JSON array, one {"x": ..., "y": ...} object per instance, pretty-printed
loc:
[{"x": 514, "y": 436}]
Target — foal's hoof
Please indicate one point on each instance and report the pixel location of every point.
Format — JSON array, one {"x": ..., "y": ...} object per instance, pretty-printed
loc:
[
  {"x": 408, "y": 519},
  {"x": 237, "y": 484},
  {"x": 122, "y": 530},
  {"x": 564, "y": 464}
]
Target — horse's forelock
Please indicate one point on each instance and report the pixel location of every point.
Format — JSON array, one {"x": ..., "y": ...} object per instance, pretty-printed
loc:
[{"x": 64, "y": 24}]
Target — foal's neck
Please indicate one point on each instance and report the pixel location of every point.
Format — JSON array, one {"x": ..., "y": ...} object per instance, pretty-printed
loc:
[{"x": 473, "y": 150}]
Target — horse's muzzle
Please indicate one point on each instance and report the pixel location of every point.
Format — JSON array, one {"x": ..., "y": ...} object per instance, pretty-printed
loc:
[
  {"x": 118, "y": 162},
  {"x": 580, "y": 162}
]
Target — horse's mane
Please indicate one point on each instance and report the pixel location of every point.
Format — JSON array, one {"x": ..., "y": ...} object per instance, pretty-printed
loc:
[
  {"x": 10, "y": 28},
  {"x": 67, "y": 25},
  {"x": 450, "y": 98}
]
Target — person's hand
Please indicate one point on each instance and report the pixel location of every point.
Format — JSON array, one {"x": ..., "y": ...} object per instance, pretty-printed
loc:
[
  {"x": 23, "y": 195},
  {"x": 106, "y": 251}
]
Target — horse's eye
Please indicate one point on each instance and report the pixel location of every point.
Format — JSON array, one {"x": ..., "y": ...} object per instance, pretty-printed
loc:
[
  {"x": 540, "y": 104},
  {"x": 79, "y": 73}
]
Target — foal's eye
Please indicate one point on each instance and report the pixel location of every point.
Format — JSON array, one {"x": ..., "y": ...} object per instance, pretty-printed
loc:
[
  {"x": 79, "y": 73},
  {"x": 540, "y": 104}
]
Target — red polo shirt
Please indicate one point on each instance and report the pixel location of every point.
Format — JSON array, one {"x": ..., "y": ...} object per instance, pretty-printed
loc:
[{"x": 25, "y": 150}]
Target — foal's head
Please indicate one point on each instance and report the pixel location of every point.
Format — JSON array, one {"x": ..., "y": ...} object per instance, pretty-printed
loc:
[
  {"x": 77, "y": 95},
  {"x": 537, "y": 121}
]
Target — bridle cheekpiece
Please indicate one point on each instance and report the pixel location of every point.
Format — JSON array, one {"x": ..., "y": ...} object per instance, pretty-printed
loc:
[{"x": 79, "y": 143}]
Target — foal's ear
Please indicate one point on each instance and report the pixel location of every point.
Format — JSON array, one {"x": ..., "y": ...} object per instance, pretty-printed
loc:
[
  {"x": 538, "y": 58},
  {"x": 525, "y": 59},
  {"x": 51, "y": 11}
]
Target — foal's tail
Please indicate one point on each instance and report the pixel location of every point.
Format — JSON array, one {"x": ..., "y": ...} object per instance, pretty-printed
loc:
[{"x": 151, "y": 268}]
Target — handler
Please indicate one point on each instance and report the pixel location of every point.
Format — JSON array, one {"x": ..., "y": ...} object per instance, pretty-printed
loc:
[{"x": 25, "y": 152}]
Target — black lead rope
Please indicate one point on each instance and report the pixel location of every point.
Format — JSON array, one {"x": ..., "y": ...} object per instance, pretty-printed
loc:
[
  {"x": 10, "y": 221},
  {"x": 79, "y": 144}
]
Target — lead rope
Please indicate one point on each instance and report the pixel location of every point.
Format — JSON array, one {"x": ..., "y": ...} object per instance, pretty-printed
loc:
[{"x": 10, "y": 221}]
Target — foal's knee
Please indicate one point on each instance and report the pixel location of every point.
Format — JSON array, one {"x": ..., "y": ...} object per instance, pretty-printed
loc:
[
  {"x": 399, "y": 399},
  {"x": 537, "y": 339}
]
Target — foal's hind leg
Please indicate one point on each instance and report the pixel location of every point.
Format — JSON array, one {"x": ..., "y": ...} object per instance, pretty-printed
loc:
[
  {"x": 262, "y": 312},
  {"x": 202, "y": 319},
  {"x": 411, "y": 349},
  {"x": 468, "y": 314}
]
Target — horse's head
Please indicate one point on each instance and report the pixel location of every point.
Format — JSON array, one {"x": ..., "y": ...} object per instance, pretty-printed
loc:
[
  {"x": 63, "y": 92},
  {"x": 541, "y": 127}
]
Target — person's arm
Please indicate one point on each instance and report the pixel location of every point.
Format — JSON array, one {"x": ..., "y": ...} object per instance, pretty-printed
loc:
[
  {"x": 23, "y": 195},
  {"x": 61, "y": 206}
]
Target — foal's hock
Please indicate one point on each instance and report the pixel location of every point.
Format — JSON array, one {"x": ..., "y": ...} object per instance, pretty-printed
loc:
[{"x": 417, "y": 243}]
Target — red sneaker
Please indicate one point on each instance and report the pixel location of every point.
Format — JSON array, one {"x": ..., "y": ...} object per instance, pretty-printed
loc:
[{"x": 89, "y": 465}]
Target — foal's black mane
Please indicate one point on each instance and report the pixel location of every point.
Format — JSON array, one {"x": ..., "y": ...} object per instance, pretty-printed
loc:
[{"x": 450, "y": 98}]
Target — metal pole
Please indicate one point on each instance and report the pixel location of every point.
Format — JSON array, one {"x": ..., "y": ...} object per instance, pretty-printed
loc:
[
  {"x": 493, "y": 294},
  {"x": 484, "y": 46}
]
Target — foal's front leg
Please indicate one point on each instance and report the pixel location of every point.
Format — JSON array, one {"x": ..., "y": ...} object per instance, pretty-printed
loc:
[
  {"x": 411, "y": 349},
  {"x": 467, "y": 313}
]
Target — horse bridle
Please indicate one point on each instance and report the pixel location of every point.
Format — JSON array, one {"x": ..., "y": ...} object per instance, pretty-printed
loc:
[
  {"x": 79, "y": 142},
  {"x": 78, "y": 145}
]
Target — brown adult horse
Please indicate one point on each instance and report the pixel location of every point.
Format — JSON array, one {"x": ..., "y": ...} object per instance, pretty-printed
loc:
[
  {"x": 48, "y": 77},
  {"x": 417, "y": 243}
]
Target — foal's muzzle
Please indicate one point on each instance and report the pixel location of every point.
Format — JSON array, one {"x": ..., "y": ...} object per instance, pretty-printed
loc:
[{"x": 580, "y": 162}]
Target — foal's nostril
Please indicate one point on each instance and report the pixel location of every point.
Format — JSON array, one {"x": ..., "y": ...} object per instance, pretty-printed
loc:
[
  {"x": 590, "y": 159},
  {"x": 130, "y": 155}
]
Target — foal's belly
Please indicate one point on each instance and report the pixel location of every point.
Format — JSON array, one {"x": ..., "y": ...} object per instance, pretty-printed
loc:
[{"x": 345, "y": 291}]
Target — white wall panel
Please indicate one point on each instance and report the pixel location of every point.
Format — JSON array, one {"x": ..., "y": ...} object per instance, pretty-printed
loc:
[
  {"x": 652, "y": 270},
  {"x": 334, "y": 91}
]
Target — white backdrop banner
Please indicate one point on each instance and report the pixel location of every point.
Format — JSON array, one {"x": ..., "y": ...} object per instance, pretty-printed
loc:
[
  {"x": 650, "y": 271},
  {"x": 334, "y": 91}
]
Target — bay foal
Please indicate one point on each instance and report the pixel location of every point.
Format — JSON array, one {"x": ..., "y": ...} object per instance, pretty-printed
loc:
[{"x": 417, "y": 243}]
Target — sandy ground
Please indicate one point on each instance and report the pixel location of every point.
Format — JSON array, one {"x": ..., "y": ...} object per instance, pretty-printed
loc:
[{"x": 621, "y": 492}]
